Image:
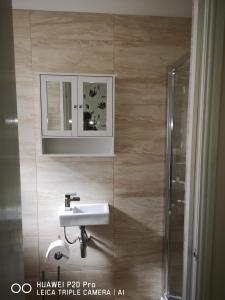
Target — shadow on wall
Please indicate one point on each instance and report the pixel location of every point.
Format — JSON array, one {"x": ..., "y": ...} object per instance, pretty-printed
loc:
[
  {"x": 137, "y": 257},
  {"x": 118, "y": 257}
]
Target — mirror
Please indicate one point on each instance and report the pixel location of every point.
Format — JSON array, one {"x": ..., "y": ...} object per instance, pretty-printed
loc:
[
  {"x": 59, "y": 110},
  {"x": 94, "y": 106},
  {"x": 53, "y": 105}
]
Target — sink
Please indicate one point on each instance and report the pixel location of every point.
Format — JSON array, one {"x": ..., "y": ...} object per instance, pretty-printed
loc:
[{"x": 85, "y": 215}]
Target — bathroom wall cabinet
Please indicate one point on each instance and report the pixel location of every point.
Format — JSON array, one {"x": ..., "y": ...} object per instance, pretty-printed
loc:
[{"x": 77, "y": 114}]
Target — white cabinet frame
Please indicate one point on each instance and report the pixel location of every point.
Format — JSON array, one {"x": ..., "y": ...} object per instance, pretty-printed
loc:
[
  {"x": 76, "y": 105},
  {"x": 77, "y": 141}
]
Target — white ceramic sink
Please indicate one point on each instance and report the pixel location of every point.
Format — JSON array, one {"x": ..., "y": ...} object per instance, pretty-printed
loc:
[{"x": 85, "y": 215}]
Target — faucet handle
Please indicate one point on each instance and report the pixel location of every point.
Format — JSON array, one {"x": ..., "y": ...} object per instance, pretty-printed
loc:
[{"x": 70, "y": 195}]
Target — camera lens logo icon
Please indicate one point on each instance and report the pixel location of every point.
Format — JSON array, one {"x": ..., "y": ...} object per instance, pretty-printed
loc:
[{"x": 16, "y": 288}]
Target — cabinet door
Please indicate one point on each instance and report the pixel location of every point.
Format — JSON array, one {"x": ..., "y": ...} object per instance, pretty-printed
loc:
[
  {"x": 59, "y": 105},
  {"x": 95, "y": 107}
]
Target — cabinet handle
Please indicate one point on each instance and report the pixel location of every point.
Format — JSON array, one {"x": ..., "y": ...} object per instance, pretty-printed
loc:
[
  {"x": 75, "y": 106},
  {"x": 80, "y": 106}
]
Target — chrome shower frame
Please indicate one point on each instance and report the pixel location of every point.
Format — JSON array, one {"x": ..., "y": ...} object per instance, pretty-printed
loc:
[{"x": 169, "y": 162}]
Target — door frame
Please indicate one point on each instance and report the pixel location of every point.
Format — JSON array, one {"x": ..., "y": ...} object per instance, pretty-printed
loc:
[{"x": 202, "y": 147}]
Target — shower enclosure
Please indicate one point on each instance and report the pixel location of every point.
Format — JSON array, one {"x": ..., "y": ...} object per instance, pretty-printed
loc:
[{"x": 178, "y": 84}]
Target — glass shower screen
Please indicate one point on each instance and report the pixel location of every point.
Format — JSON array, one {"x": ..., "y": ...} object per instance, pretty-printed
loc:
[{"x": 178, "y": 85}]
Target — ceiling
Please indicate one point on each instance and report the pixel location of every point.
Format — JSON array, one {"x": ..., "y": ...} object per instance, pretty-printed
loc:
[{"x": 170, "y": 8}]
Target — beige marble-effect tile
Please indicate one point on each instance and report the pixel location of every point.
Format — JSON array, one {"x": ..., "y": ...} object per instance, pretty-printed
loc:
[
  {"x": 71, "y": 26},
  {"x": 31, "y": 256},
  {"x": 145, "y": 60},
  {"x": 157, "y": 30},
  {"x": 23, "y": 59},
  {"x": 25, "y": 104},
  {"x": 140, "y": 91},
  {"x": 49, "y": 205},
  {"x": 153, "y": 114},
  {"x": 100, "y": 251},
  {"x": 140, "y": 117},
  {"x": 140, "y": 129},
  {"x": 26, "y": 139},
  {"x": 93, "y": 180},
  {"x": 24, "y": 87},
  {"x": 72, "y": 57},
  {"x": 29, "y": 213},
  {"x": 138, "y": 250},
  {"x": 21, "y": 24},
  {"x": 141, "y": 138},
  {"x": 145, "y": 284},
  {"x": 28, "y": 173},
  {"x": 138, "y": 265},
  {"x": 139, "y": 175},
  {"x": 142, "y": 101},
  {"x": 140, "y": 214}
]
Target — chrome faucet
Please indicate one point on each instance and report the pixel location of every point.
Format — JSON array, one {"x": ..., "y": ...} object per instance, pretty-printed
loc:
[{"x": 70, "y": 197}]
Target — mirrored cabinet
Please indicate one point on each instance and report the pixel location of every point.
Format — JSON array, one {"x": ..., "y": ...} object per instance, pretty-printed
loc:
[{"x": 77, "y": 114}]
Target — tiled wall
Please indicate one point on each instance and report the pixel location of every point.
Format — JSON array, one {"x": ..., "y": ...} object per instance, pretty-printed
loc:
[{"x": 128, "y": 253}]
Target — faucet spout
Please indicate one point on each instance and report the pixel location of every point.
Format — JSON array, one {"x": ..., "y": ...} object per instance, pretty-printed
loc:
[{"x": 69, "y": 198}]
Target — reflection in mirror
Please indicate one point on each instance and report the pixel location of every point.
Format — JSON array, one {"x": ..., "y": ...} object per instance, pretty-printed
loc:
[
  {"x": 67, "y": 111},
  {"x": 94, "y": 106},
  {"x": 53, "y": 105}
]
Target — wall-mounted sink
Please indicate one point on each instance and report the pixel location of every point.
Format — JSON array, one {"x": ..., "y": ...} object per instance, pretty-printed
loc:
[{"x": 85, "y": 215}]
